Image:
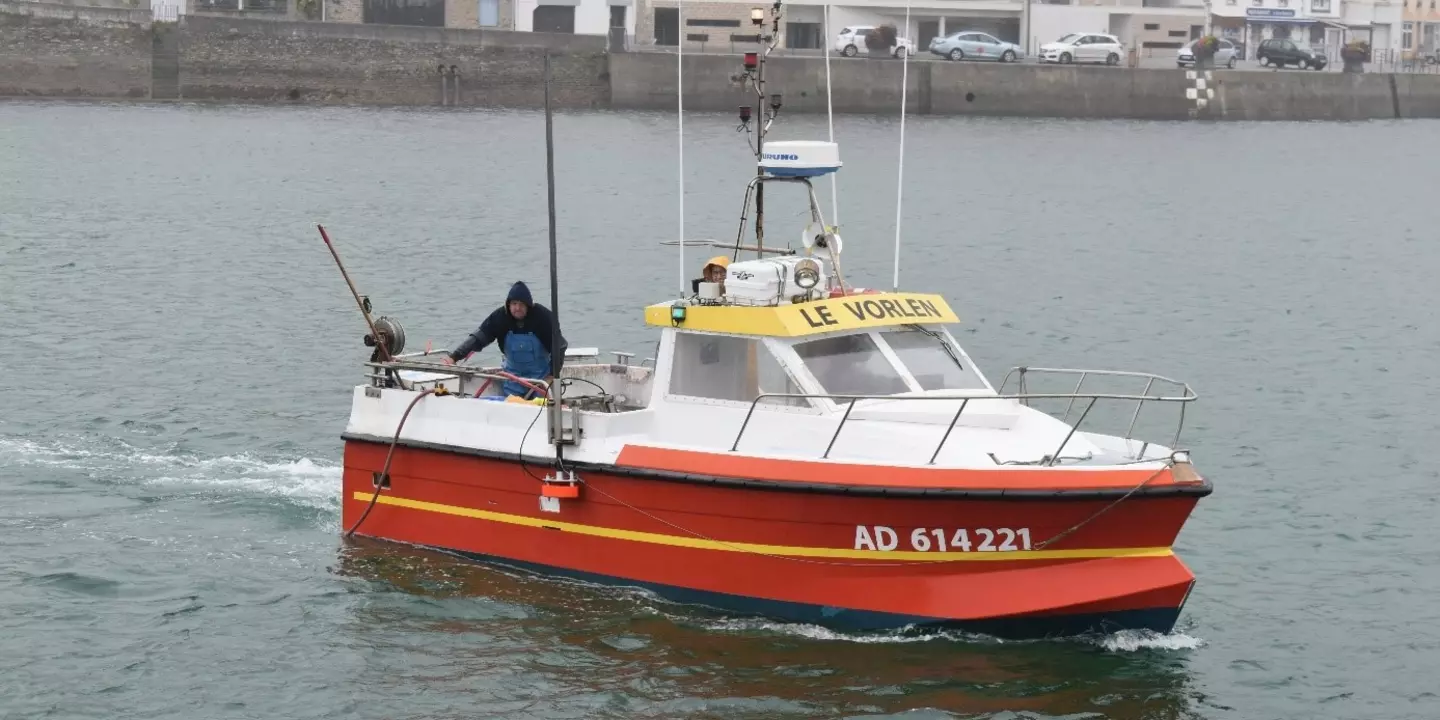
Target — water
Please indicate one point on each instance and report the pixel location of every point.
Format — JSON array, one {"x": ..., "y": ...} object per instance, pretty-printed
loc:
[{"x": 176, "y": 351}]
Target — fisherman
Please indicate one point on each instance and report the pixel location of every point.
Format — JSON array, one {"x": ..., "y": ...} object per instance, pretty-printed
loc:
[
  {"x": 524, "y": 330},
  {"x": 714, "y": 272}
]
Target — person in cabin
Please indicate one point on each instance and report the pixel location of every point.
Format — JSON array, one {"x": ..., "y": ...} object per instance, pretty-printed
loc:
[
  {"x": 714, "y": 271},
  {"x": 524, "y": 329}
]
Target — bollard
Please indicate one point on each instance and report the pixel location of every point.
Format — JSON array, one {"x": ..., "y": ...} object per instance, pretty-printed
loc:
[{"x": 444, "y": 86}]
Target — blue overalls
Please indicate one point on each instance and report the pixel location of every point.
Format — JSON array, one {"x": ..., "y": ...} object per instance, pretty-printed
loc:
[{"x": 525, "y": 357}]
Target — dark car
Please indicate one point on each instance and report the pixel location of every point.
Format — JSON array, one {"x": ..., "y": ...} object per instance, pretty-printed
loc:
[{"x": 1282, "y": 52}]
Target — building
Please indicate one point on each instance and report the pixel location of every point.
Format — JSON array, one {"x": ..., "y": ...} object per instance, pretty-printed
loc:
[
  {"x": 725, "y": 26},
  {"x": 1322, "y": 24},
  {"x": 580, "y": 17},
  {"x": 1419, "y": 28}
]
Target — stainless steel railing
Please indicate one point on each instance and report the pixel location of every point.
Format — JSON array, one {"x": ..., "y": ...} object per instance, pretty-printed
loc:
[{"x": 1186, "y": 396}]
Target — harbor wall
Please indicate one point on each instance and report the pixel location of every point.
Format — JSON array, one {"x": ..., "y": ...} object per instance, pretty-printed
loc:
[
  {"x": 49, "y": 49},
  {"x": 267, "y": 60},
  {"x": 647, "y": 81},
  {"x": 62, "y": 51},
  {"x": 59, "y": 50}
]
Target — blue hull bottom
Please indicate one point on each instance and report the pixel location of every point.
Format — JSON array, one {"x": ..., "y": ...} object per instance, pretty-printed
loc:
[{"x": 1157, "y": 619}]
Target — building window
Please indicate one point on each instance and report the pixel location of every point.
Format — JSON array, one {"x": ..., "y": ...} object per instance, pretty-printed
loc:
[
  {"x": 1178, "y": 33},
  {"x": 1152, "y": 26},
  {"x": 1257, "y": 3},
  {"x": 489, "y": 13},
  {"x": 1407, "y": 36},
  {"x": 804, "y": 35},
  {"x": 702, "y": 22},
  {"x": 1284, "y": 3},
  {"x": 1322, "y": 6},
  {"x": 667, "y": 26},
  {"x": 554, "y": 19}
]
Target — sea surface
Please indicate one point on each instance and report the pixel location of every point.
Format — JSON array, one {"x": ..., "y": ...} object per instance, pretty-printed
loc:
[{"x": 177, "y": 350}]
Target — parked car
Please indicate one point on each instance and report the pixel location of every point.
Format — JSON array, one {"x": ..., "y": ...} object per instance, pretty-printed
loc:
[
  {"x": 974, "y": 45},
  {"x": 1281, "y": 52},
  {"x": 1083, "y": 47},
  {"x": 1224, "y": 55},
  {"x": 851, "y": 42}
]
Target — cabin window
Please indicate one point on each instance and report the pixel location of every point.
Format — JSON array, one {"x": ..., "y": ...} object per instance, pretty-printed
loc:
[
  {"x": 934, "y": 363},
  {"x": 851, "y": 364},
  {"x": 729, "y": 368}
]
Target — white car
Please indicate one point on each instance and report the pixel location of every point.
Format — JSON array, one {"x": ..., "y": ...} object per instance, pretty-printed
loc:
[
  {"x": 851, "y": 42},
  {"x": 1224, "y": 55},
  {"x": 1083, "y": 48}
]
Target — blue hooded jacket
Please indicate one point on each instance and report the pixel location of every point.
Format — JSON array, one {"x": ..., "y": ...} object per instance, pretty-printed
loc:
[{"x": 539, "y": 321}]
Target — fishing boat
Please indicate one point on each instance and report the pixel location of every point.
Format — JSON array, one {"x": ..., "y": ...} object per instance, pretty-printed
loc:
[{"x": 797, "y": 448}]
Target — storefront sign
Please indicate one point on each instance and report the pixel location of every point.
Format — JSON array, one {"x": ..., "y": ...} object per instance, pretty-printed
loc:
[{"x": 1270, "y": 12}]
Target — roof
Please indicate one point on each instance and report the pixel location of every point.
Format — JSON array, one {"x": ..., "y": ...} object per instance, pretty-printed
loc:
[{"x": 812, "y": 318}]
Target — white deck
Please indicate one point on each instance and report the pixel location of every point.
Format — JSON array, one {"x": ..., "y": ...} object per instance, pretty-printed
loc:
[{"x": 905, "y": 429}]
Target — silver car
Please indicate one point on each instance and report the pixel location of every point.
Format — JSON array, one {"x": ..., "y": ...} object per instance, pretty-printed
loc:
[
  {"x": 1224, "y": 55},
  {"x": 975, "y": 45}
]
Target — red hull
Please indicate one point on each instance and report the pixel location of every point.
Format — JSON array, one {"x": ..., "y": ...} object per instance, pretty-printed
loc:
[{"x": 794, "y": 554}]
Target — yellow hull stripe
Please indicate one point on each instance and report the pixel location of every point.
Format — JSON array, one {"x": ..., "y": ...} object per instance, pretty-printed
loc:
[{"x": 787, "y": 550}]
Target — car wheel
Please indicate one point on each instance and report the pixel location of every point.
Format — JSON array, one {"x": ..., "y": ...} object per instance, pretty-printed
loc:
[
  {"x": 1008, "y": 56},
  {"x": 1264, "y": 61},
  {"x": 1065, "y": 58},
  {"x": 1113, "y": 59},
  {"x": 1231, "y": 64},
  {"x": 900, "y": 53},
  {"x": 849, "y": 51},
  {"x": 957, "y": 54}
]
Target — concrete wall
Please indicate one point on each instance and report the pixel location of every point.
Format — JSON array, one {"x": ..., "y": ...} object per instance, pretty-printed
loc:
[
  {"x": 65, "y": 51},
  {"x": 1304, "y": 96},
  {"x": 57, "y": 50},
  {"x": 647, "y": 81},
  {"x": 234, "y": 59}
]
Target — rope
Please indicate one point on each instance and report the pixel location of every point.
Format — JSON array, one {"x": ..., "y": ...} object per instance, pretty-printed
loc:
[
  {"x": 1169, "y": 463},
  {"x": 380, "y": 484}
]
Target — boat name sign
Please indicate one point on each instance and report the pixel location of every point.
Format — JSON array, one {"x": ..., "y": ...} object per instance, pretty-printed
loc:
[
  {"x": 883, "y": 538},
  {"x": 841, "y": 313}
]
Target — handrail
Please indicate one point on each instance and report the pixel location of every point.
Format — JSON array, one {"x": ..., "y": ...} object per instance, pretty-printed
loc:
[
  {"x": 462, "y": 371},
  {"x": 1150, "y": 379},
  {"x": 1186, "y": 396}
]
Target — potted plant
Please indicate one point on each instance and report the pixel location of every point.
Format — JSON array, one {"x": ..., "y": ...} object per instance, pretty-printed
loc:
[
  {"x": 881, "y": 41},
  {"x": 1205, "y": 49},
  {"x": 1355, "y": 54}
]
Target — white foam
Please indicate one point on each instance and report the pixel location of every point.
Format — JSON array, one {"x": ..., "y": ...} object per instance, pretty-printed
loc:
[
  {"x": 1135, "y": 640},
  {"x": 815, "y": 632},
  {"x": 302, "y": 480},
  {"x": 1123, "y": 641}
]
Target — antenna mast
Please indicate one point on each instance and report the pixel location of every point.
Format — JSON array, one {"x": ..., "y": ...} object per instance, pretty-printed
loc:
[
  {"x": 900, "y": 174},
  {"x": 754, "y": 75},
  {"x": 680, "y": 122}
]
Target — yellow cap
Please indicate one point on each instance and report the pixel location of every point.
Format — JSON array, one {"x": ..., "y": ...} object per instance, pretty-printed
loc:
[{"x": 720, "y": 260}]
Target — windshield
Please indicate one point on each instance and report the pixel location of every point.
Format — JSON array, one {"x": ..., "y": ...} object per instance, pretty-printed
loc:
[
  {"x": 851, "y": 364},
  {"x": 931, "y": 361},
  {"x": 1068, "y": 38}
]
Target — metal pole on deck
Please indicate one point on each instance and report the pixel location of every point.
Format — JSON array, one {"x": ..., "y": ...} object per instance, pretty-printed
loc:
[{"x": 556, "y": 354}]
